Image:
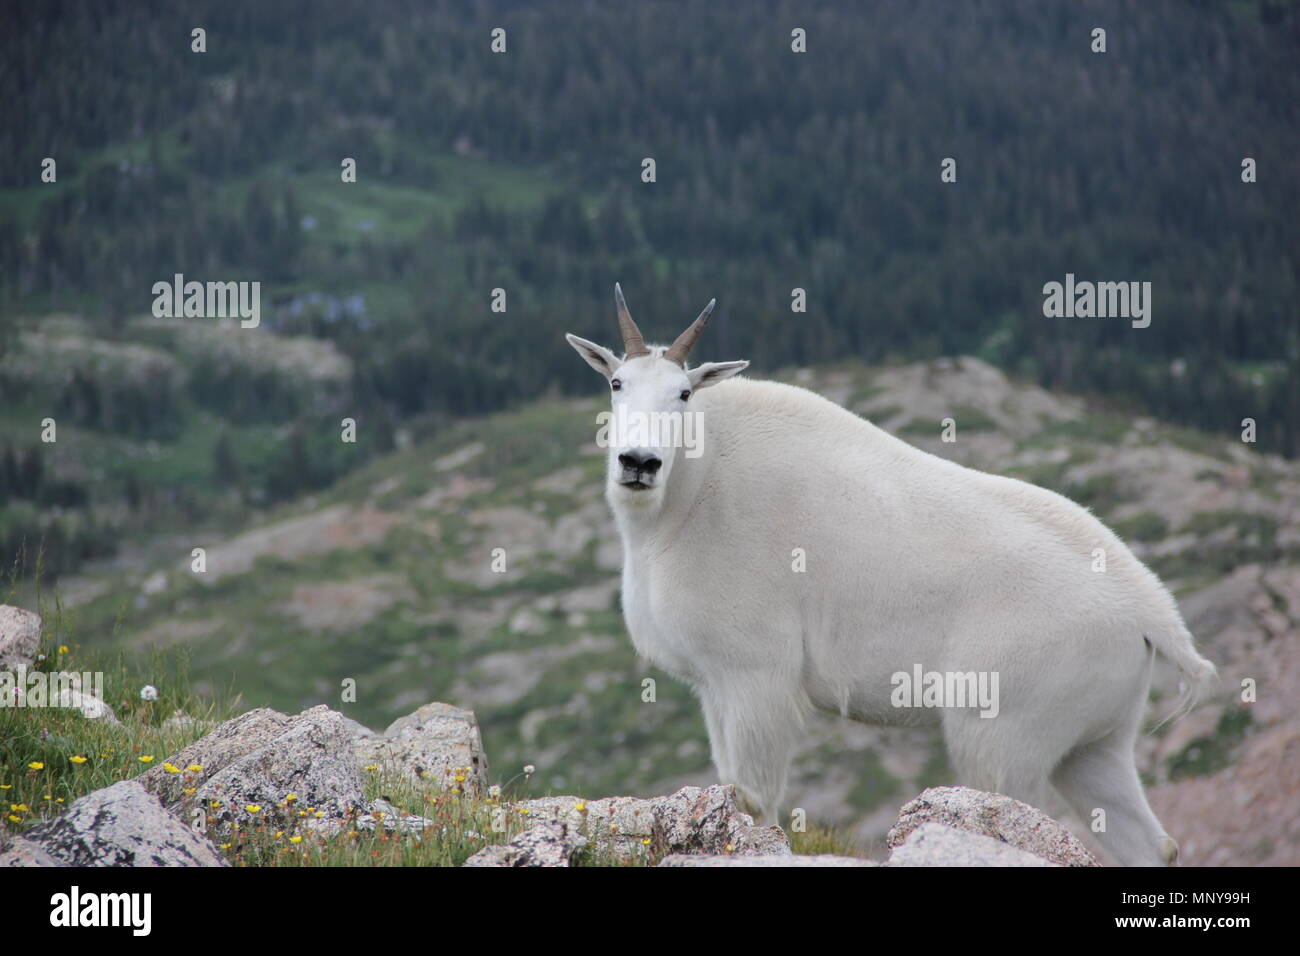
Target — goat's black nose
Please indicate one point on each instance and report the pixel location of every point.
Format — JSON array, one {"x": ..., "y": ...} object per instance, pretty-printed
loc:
[{"x": 647, "y": 462}]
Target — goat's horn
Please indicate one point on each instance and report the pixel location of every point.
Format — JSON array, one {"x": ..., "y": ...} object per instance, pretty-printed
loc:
[
  {"x": 678, "y": 351},
  {"x": 633, "y": 343}
]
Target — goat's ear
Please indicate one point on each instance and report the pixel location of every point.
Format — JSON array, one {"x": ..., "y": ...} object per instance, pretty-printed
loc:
[
  {"x": 711, "y": 373},
  {"x": 597, "y": 356}
]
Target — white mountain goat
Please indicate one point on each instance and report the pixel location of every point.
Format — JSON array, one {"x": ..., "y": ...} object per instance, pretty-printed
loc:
[{"x": 802, "y": 559}]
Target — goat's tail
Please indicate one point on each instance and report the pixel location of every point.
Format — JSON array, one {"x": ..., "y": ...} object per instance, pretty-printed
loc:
[{"x": 1196, "y": 674}]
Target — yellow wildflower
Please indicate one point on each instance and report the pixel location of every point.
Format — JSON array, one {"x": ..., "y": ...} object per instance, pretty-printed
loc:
[
  {"x": 36, "y": 765},
  {"x": 146, "y": 758},
  {"x": 253, "y": 807},
  {"x": 171, "y": 768},
  {"x": 194, "y": 767},
  {"x": 78, "y": 759}
]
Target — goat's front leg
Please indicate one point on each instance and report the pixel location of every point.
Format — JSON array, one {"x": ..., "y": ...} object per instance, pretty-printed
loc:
[{"x": 753, "y": 723}]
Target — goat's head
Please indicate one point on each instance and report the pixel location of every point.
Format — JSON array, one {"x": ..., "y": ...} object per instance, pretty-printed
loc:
[{"x": 651, "y": 389}]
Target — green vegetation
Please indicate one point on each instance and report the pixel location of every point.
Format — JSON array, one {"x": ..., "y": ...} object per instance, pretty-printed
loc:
[
  {"x": 1147, "y": 526},
  {"x": 1208, "y": 755},
  {"x": 874, "y": 784},
  {"x": 52, "y": 755},
  {"x": 834, "y": 840}
]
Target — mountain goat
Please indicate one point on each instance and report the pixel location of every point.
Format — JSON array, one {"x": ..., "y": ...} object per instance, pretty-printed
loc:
[{"x": 803, "y": 559}]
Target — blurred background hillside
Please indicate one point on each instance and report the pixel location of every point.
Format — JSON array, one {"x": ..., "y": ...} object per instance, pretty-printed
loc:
[{"x": 522, "y": 171}]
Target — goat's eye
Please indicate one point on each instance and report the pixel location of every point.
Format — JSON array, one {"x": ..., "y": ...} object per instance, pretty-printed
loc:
[
  {"x": 686, "y": 393},
  {"x": 615, "y": 384}
]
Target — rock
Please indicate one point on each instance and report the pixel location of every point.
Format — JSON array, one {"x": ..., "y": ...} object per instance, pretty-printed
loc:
[
  {"x": 20, "y": 851},
  {"x": 765, "y": 859},
  {"x": 312, "y": 759},
  {"x": 20, "y": 637},
  {"x": 375, "y": 814},
  {"x": 932, "y": 844},
  {"x": 992, "y": 815},
  {"x": 692, "y": 820},
  {"x": 358, "y": 729},
  {"x": 695, "y": 820},
  {"x": 619, "y": 825},
  {"x": 259, "y": 759},
  {"x": 393, "y": 819},
  {"x": 438, "y": 744},
  {"x": 229, "y": 742},
  {"x": 263, "y": 756},
  {"x": 546, "y": 844},
  {"x": 1243, "y": 814},
  {"x": 122, "y": 825}
]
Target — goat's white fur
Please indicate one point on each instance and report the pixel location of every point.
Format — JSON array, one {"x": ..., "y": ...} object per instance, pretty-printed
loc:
[{"x": 911, "y": 559}]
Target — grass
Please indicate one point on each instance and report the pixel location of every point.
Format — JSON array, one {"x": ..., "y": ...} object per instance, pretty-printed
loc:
[
  {"x": 50, "y": 756},
  {"x": 346, "y": 212},
  {"x": 459, "y": 827},
  {"x": 837, "y": 841}
]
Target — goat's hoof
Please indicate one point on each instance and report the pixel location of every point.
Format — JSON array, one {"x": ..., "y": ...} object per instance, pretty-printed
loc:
[{"x": 1169, "y": 850}]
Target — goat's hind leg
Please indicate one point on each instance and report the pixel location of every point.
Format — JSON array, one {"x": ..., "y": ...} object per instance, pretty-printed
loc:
[{"x": 1103, "y": 776}]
